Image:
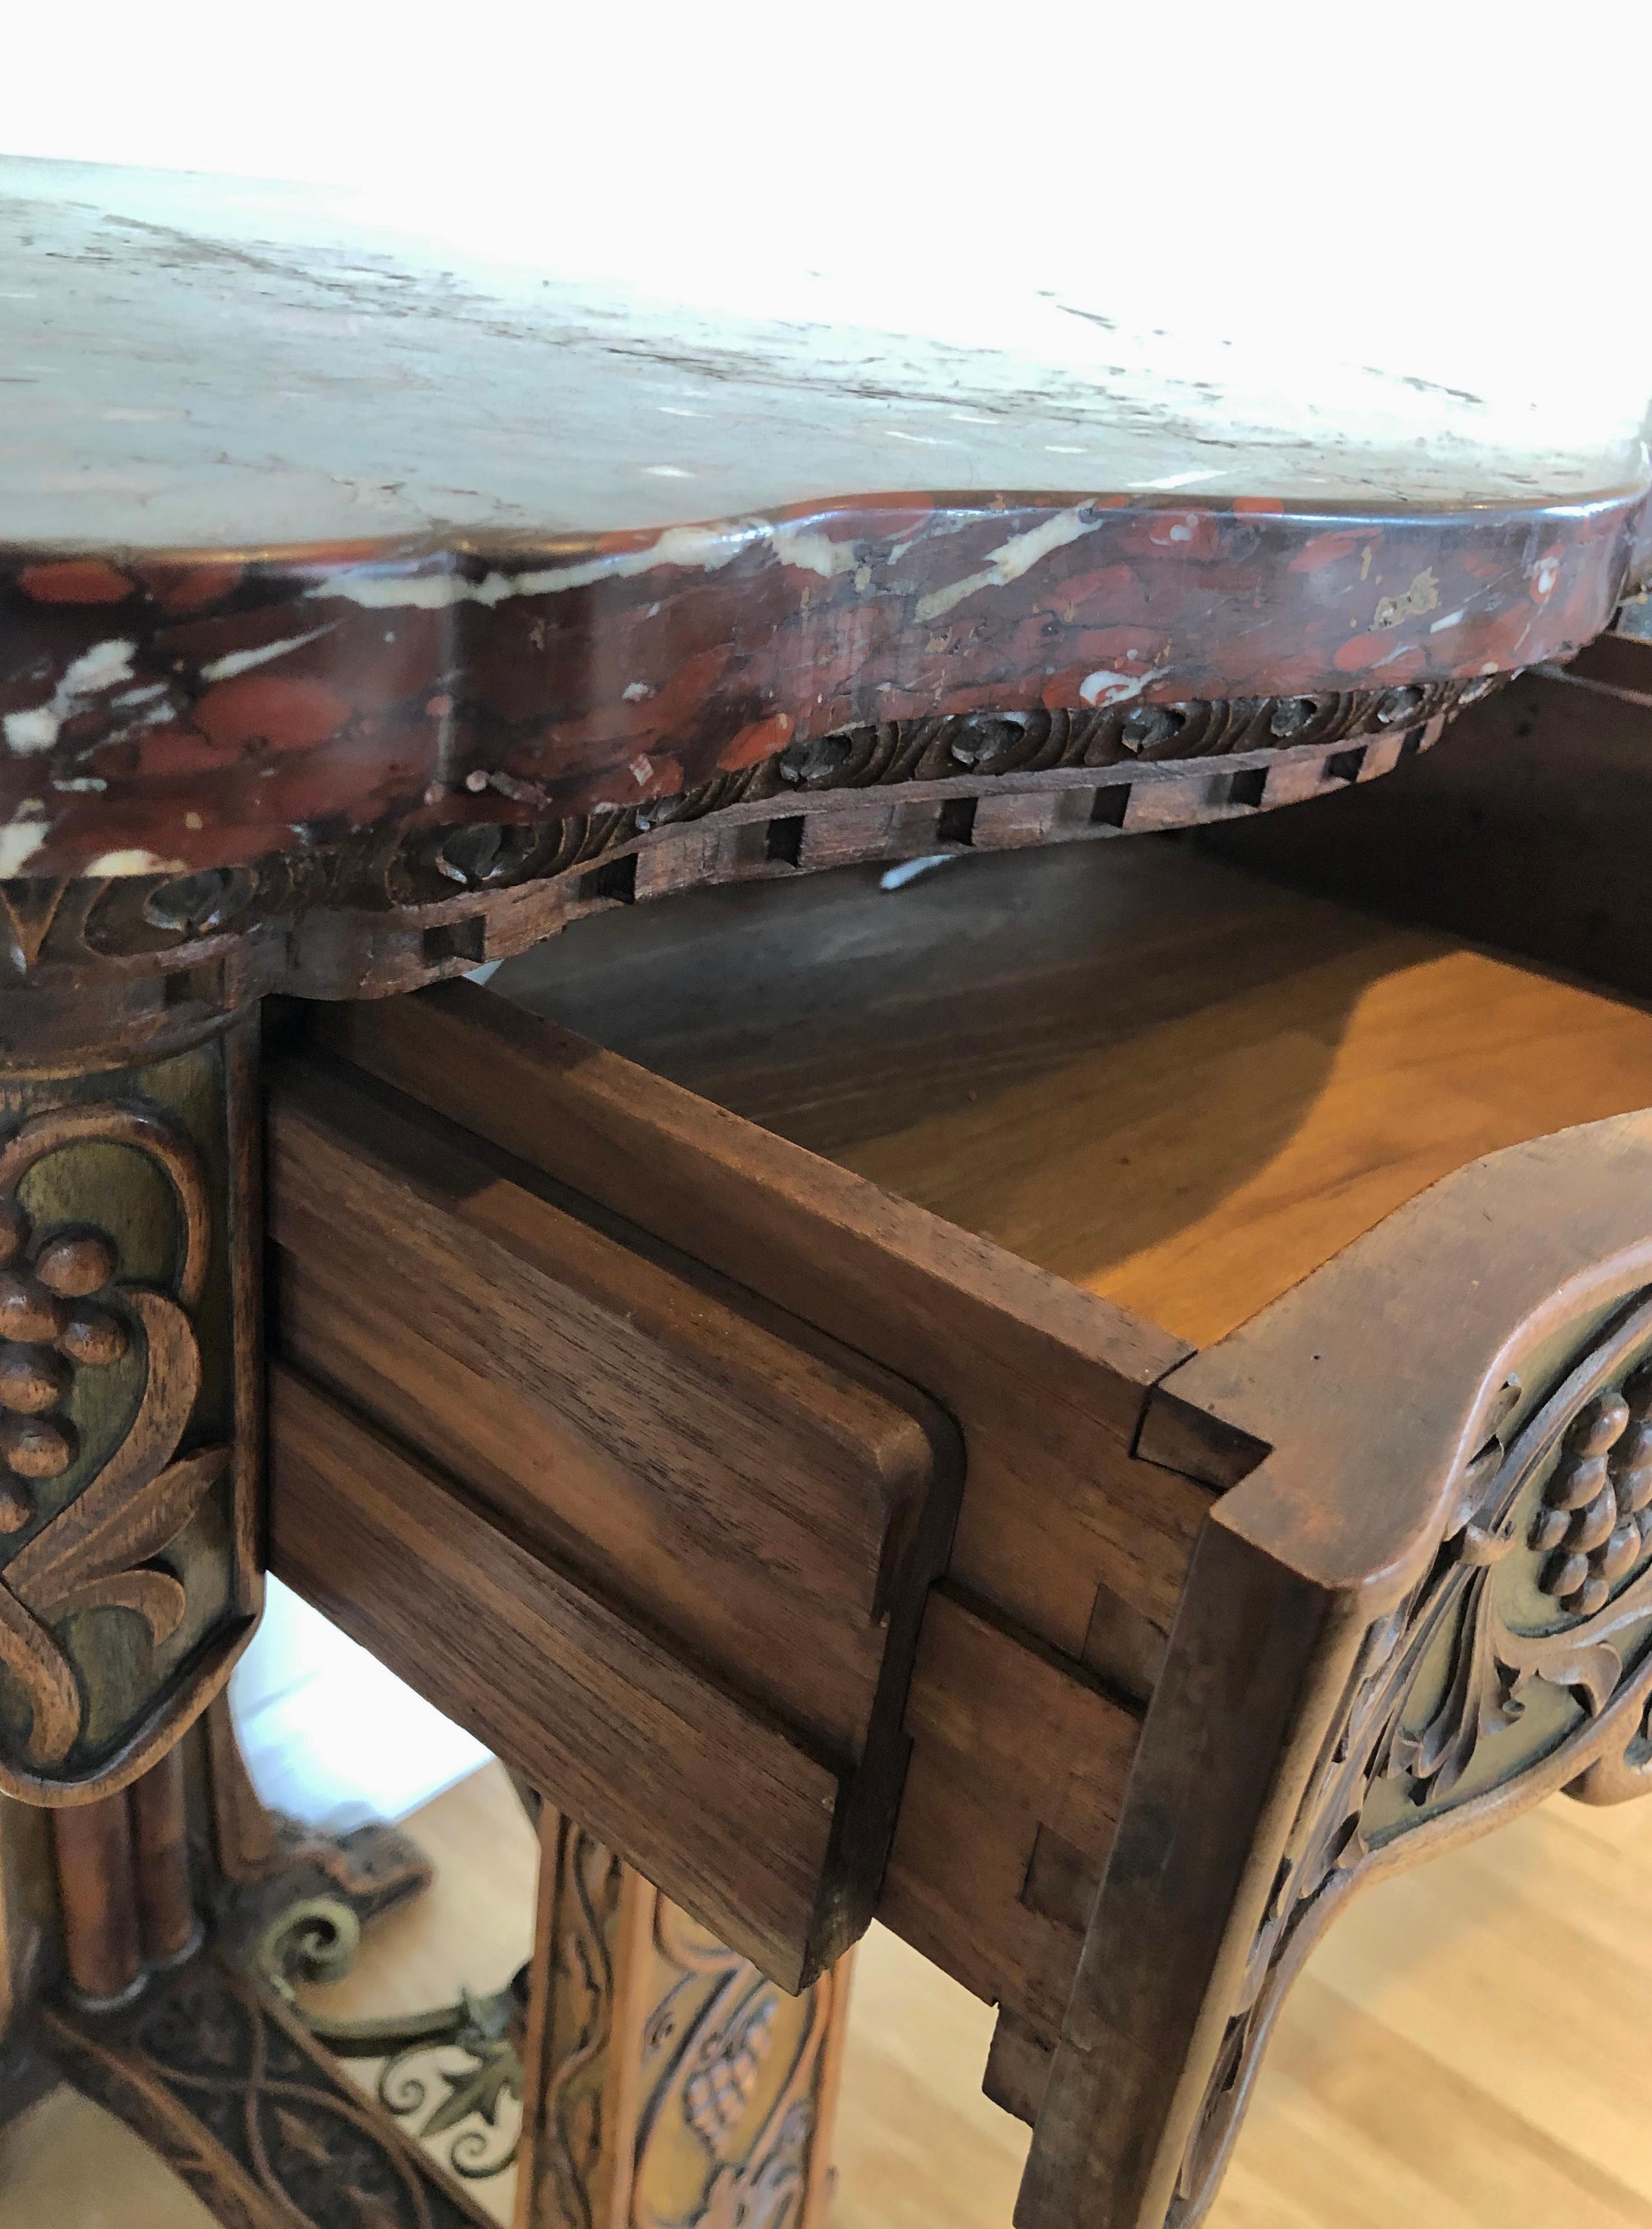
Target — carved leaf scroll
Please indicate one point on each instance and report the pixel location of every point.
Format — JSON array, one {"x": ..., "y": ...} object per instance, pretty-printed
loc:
[
  {"x": 60, "y": 1306},
  {"x": 35, "y": 1660},
  {"x": 675, "y": 2076},
  {"x": 734, "y": 2065},
  {"x": 1439, "y": 1712}
]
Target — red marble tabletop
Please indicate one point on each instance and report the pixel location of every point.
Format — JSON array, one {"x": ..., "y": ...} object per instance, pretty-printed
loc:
[{"x": 308, "y": 528}]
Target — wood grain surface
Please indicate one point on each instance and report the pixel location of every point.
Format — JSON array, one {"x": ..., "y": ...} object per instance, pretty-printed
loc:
[
  {"x": 1181, "y": 1086},
  {"x": 720, "y": 1474},
  {"x": 1529, "y": 831},
  {"x": 720, "y": 1803},
  {"x": 1012, "y": 1799},
  {"x": 1193, "y": 1145},
  {"x": 759, "y": 1493},
  {"x": 1178, "y": 1084},
  {"x": 1045, "y": 1384}
]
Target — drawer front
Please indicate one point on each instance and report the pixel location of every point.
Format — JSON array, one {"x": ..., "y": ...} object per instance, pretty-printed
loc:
[
  {"x": 647, "y": 1461},
  {"x": 706, "y": 1795},
  {"x": 730, "y": 1476}
]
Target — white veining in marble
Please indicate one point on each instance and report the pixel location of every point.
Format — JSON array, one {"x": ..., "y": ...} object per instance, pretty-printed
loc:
[
  {"x": 187, "y": 361},
  {"x": 1012, "y": 558},
  {"x": 87, "y": 678},
  {"x": 243, "y": 661}
]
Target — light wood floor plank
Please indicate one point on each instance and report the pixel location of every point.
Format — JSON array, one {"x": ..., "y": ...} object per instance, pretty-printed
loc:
[{"x": 1467, "y": 2050}]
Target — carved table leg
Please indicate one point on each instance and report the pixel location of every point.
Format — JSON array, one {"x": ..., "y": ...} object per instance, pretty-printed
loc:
[
  {"x": 129, "y": 1527},
  {"x": 130, "y": 1449},
  {"x": 1424, "y": 1605},
  {"x": 666, "y": 2080},
  {"x": 130, "y": 1579}
]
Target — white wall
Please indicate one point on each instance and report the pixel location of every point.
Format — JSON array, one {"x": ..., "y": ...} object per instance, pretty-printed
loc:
[{"x": 330, "y": 1737}]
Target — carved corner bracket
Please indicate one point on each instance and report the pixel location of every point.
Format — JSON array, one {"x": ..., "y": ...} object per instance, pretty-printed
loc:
[{"x": 1422, "y": 1602}]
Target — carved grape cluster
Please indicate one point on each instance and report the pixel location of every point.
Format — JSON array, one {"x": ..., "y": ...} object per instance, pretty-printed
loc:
[
  {"x": 721, "y": 2087},
  {"x": 48, "y": 1325},
  {"x": 1595, "y": 1520}
]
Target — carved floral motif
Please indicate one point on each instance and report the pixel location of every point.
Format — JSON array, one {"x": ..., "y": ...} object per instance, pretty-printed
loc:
[
  {"x": 735, "y": 2063},
  {"x": 680, "y": 2087},
  {"x": 64, "y": 1311},
  {"x": 1529, "y": 1643}
]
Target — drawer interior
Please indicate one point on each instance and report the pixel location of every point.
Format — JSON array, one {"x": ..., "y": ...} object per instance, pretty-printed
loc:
[{"x": 1176, "y": 1083}]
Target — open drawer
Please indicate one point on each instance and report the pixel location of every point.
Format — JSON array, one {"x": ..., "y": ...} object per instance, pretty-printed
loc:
[{"x": 956, "y": 1400}]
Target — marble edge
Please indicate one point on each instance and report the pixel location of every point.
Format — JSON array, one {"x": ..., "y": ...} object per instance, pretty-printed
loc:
[{"x": 456, "y": 543}]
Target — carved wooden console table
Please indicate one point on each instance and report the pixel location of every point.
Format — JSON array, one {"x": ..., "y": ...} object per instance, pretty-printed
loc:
[{"x": 820, "y": 1557}]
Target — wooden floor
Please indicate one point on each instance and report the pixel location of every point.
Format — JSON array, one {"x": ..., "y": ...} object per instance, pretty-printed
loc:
[{"x": 1469, "y": 2050}]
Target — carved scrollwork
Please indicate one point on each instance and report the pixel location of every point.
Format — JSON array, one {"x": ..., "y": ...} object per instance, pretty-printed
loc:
[
  {"x": 575, "y": 2122},
  {"x": 409, "y": 901},
  {"x": 116, "y": 1429},
  {"x": 732, "y": 2063},
  {"x": 677, "y": 2088},
  {"x": 195, "y": 905},
  {"x": 226, "y": 2086},
  {"x": 460, "y": 2107},
  {"x": 1521, "y": 1663},
  {"x": 893, "y": 751},
  {"x": 63, "y": 1311}
]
